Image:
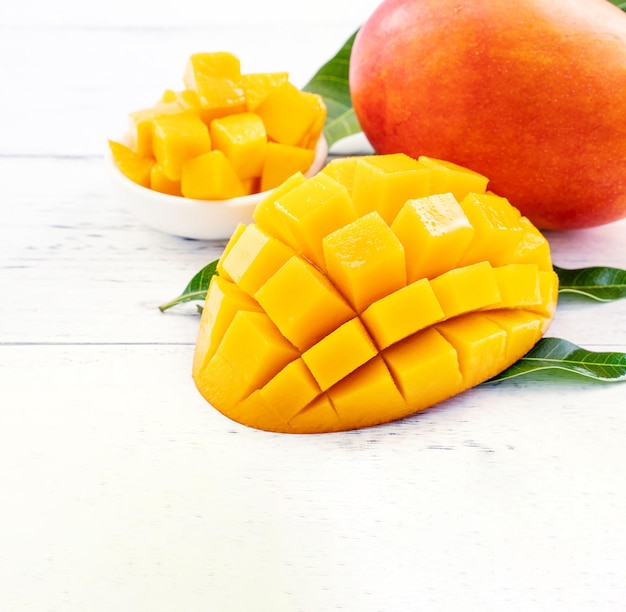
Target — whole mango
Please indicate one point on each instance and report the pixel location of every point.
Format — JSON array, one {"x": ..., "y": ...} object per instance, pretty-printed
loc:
[{"x": 528, "y": 93}]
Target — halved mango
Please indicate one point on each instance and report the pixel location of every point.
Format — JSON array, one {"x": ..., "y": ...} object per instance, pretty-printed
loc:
[{"x": 333, "y": 311}]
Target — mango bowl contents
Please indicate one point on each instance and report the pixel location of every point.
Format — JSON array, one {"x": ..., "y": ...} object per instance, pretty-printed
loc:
[
  {"x": 195, "y": 163},
  {"x": 375, "y": 289}
]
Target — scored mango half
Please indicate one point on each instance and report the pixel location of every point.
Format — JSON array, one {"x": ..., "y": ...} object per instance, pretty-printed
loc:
[{"x": 375, "y": 289}]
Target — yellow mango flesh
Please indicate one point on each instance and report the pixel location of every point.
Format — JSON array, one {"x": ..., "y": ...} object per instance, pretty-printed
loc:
[
  {"x": 242, "y": 138},
  {"x": 138, "y": 169},
  {"x": 288, "y": 114},
  {"x": 266, "y": 128},
  {"x": 282, "y": 161},
  {"x": 327, "y": 315},
  {"x": 210, "y": 176},
  {"x": 176, "y": 139}
]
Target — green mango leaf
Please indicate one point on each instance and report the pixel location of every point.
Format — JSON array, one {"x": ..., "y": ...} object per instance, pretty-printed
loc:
[
  {"x": 331, "y": 82},
  {"x": 562, "y": 356},
  {"x": 619, "y": 4},
  {"x": 197, "y": 287},
  {"x": 598, "y": 283}
]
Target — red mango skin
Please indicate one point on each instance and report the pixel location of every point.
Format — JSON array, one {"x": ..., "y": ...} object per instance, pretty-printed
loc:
[{"x": 531, "y": 94}]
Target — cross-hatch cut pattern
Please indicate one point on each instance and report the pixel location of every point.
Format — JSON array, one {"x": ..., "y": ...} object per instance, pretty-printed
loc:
[{"x": 379, "y": 287}]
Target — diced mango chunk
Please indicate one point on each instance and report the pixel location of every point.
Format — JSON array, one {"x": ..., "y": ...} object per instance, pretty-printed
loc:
[
  {"x": 368, "y": 395},
  {"x": 339, "y": 353},
  {"x": 448, "y": 177},
  {"x": 258, "y": 412},
  {"x": 480, "y": 344},
  {"x": 518, "y": 285},
  {"x": 342, "y": 169},
  {"x": 281, "y": 161},
  {"x": 497, "y": 229},
  {"x": 383, "y": 183},
  {"x": 160, "y": 182},
  {"x": 425, "y": 367},
  {"x": 465, "y": 289},
  {"x": 243, "y": 140},
  {"x": 287, "y": 114},
  {"x": 252, "y": 258},
  {"x": 216, "y": 64},
  {"x": 267, "y": 217},
  {"x": 131, "y": 164},
  {"x": 141, "y": 125},
  {"x": 313, "y": 133},
  {"x": 291, "y": 390},
  {"x": 549, "y": 289},
  {"x": 319, "y": 416},
  {"x": 363, "y": 250},
  {"x": 522, "y": 328},
  {"x": 312, "y": 210},
  {"x": 216, "y": 77},
  {"x": 402, "y": 313},
  {"x": 224, "y": 300},
  {"x": 296, "y": 313},
  {"x": 532, "y": 248},
  {"x": 210, "y": 176},
  {"x": 435, "y": 234},
  {"x": 258, "y": 85},
  {"x": 176, "y": 139},
  {"x": 251, "y": 351}
]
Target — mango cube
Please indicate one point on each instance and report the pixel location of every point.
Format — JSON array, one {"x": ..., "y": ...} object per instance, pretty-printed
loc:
[
  {"x": 215, "y": 78},
  {"x": 363, "y": 250},
  {"x": 425, "y": 367},
  {"x": 223, "y": 301},
  {"x": 320, "y": 416},
  {"x": 267, "y": 217},
  {"x": 497, "y": 228},
  {"x": 480, "y": 345},
  {"x": 435, "y": 234},
  {"x": 402, "y": 313},
  {"x": 518, "y": 285},
  {"x": 465, "y": 289},
  {"x": 448, "y": 177},
  {"x": 257, "y": 86},
  {"x": 297, "y": 313},
  {"x": 282, "y": 161},
  {"x": 310, "y": 211},
  {"x": 161, "y": 183},
  {"x": 340, "y": 352},
  {"x": 251, "y": 351},
  {"x": 176, "y": 139},
  {"x": 383, "y": 183},
  {"x": 313, "y": 133},
  {"x": 252, "y": 258},
  {"x": 217, "y": 64},
  {"x": 242, "y": 138},
  {"x": 131, "y": 164},
  {"x": 358, "y": 397},
  {"x": 210, "y": 176},
  {"x": 291, "y": 390},
  {"x": 342, "y": 170},
  {"x": 141, "y": 125},
  {"x": 287, "y": 114},
  {"x": 522, "y": 329}
]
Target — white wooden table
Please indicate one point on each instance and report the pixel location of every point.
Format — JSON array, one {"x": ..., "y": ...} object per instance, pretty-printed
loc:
[{"x": 122, "y": 490}]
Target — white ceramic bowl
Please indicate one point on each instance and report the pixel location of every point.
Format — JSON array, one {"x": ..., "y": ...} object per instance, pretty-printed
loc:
[{"x": 188, "y": 218}]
